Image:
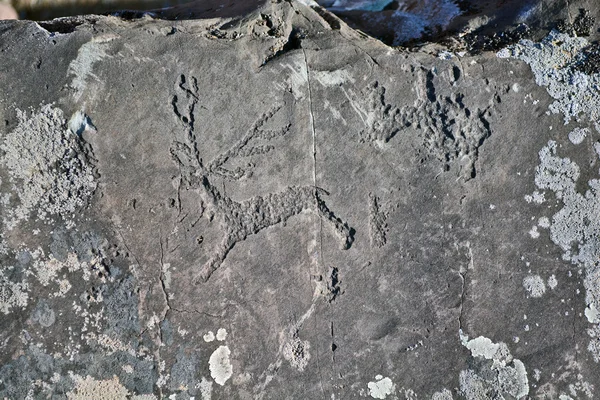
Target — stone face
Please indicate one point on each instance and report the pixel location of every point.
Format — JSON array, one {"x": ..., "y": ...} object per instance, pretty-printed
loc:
[{"x": 275, "y": 206}]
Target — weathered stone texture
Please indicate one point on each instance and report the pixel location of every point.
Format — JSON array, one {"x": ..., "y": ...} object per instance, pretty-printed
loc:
[{"x": 275, "y": 206}]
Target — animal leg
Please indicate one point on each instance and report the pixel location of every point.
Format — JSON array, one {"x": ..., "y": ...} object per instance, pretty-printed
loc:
[
  {"x": 345, "y": 233},
  {"x": 216, "y": 260}
]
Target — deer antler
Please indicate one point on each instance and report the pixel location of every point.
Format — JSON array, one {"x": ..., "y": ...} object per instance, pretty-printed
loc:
[
  {"x": 243, "y": 147},
  {"x": 189, "y": 91}
]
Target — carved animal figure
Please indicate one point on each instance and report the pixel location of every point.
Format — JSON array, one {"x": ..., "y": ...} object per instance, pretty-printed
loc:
[{"x": 239, "y": 219}]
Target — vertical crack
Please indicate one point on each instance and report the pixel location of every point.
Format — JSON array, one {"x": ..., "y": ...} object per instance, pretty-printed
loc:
[
  {"x": 316, "y": 198},
  {"x": 163, "y": 284},
  {"x": 314, "y": 154},
  {"x": 463, "y": 276},
  {"x": 163, "y": 317},
  {"x": 314, "y": 146}
]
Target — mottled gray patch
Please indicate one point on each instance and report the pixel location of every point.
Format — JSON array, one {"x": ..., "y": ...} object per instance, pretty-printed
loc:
[
  {"x": 183, "y": 372},
  {"x": 16, "y": 377},
  {"x": 43, "y": 314},
  {"x": 87, "y": 245},
  {"x": 443, "y": 395},
  {"x": 167, "y": 332},
  {"x": 121, "y": 302}
]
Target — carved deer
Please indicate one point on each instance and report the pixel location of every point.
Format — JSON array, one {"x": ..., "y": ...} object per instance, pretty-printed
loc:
[{"x": 239, "y": 219}]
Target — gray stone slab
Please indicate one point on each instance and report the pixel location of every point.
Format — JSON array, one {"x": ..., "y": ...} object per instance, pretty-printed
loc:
[{"x": 274, "y": 206}]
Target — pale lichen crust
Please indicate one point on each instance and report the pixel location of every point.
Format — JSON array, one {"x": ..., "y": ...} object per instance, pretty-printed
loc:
[
  {"x": 495, "y": 375},
  {"x": 48, "y": 165},
  {"x": 555, "y": 63}
]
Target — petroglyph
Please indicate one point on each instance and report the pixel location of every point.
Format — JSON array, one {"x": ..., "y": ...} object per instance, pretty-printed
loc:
[
  {"x": 102, "y": 233},
  {"x": 239, "y": 220},
  {"x": 380, "y": 118},
  {"x": 377, "y": 222},
  {"x": 451, "y": 131},
  {"x": 296, "y": 351}
]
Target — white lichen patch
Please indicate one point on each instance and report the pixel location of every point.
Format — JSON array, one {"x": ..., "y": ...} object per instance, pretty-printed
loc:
[
  {"x": 182, "y": 332},
  {"x": 52, "y": 271},
  {"x": 205, "y": 387},
  {"x": 409, "y": 394},
  {"x": 551, "y": 62},
  {"x": 481, "y": 347},
  {"x": 46, "y": 271},
  {"x": 496, "y": 375},
  {"x": 534, "y": 285},
  {"x": 381, "y": 387},
  {"x": 89, "y": 388},
  {"x": 63, "y": 287},
  {"x": 162, "y": 379},
  {"x": 220, "y": 366},
  {"x": 552, "y": 282},
  {"x": 48, "y": 170},
  {"x": 592, "y": 314},
  {"x": 110, "y": 344},
  {"x": 544, "y": 222},
  {"x": 594, "y": 345},
  {"x": 534, "y": 233},
  {"x": 536, "y": 197},
  {"x": 221, "y": 334},
  {"x": 209, "y": 337},
  {"x": 575, "y": 227},
  {"x": 577, "y": 135}
]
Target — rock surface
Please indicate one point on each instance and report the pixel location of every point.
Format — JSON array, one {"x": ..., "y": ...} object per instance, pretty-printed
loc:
[{"x": 266, "y": 204}]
